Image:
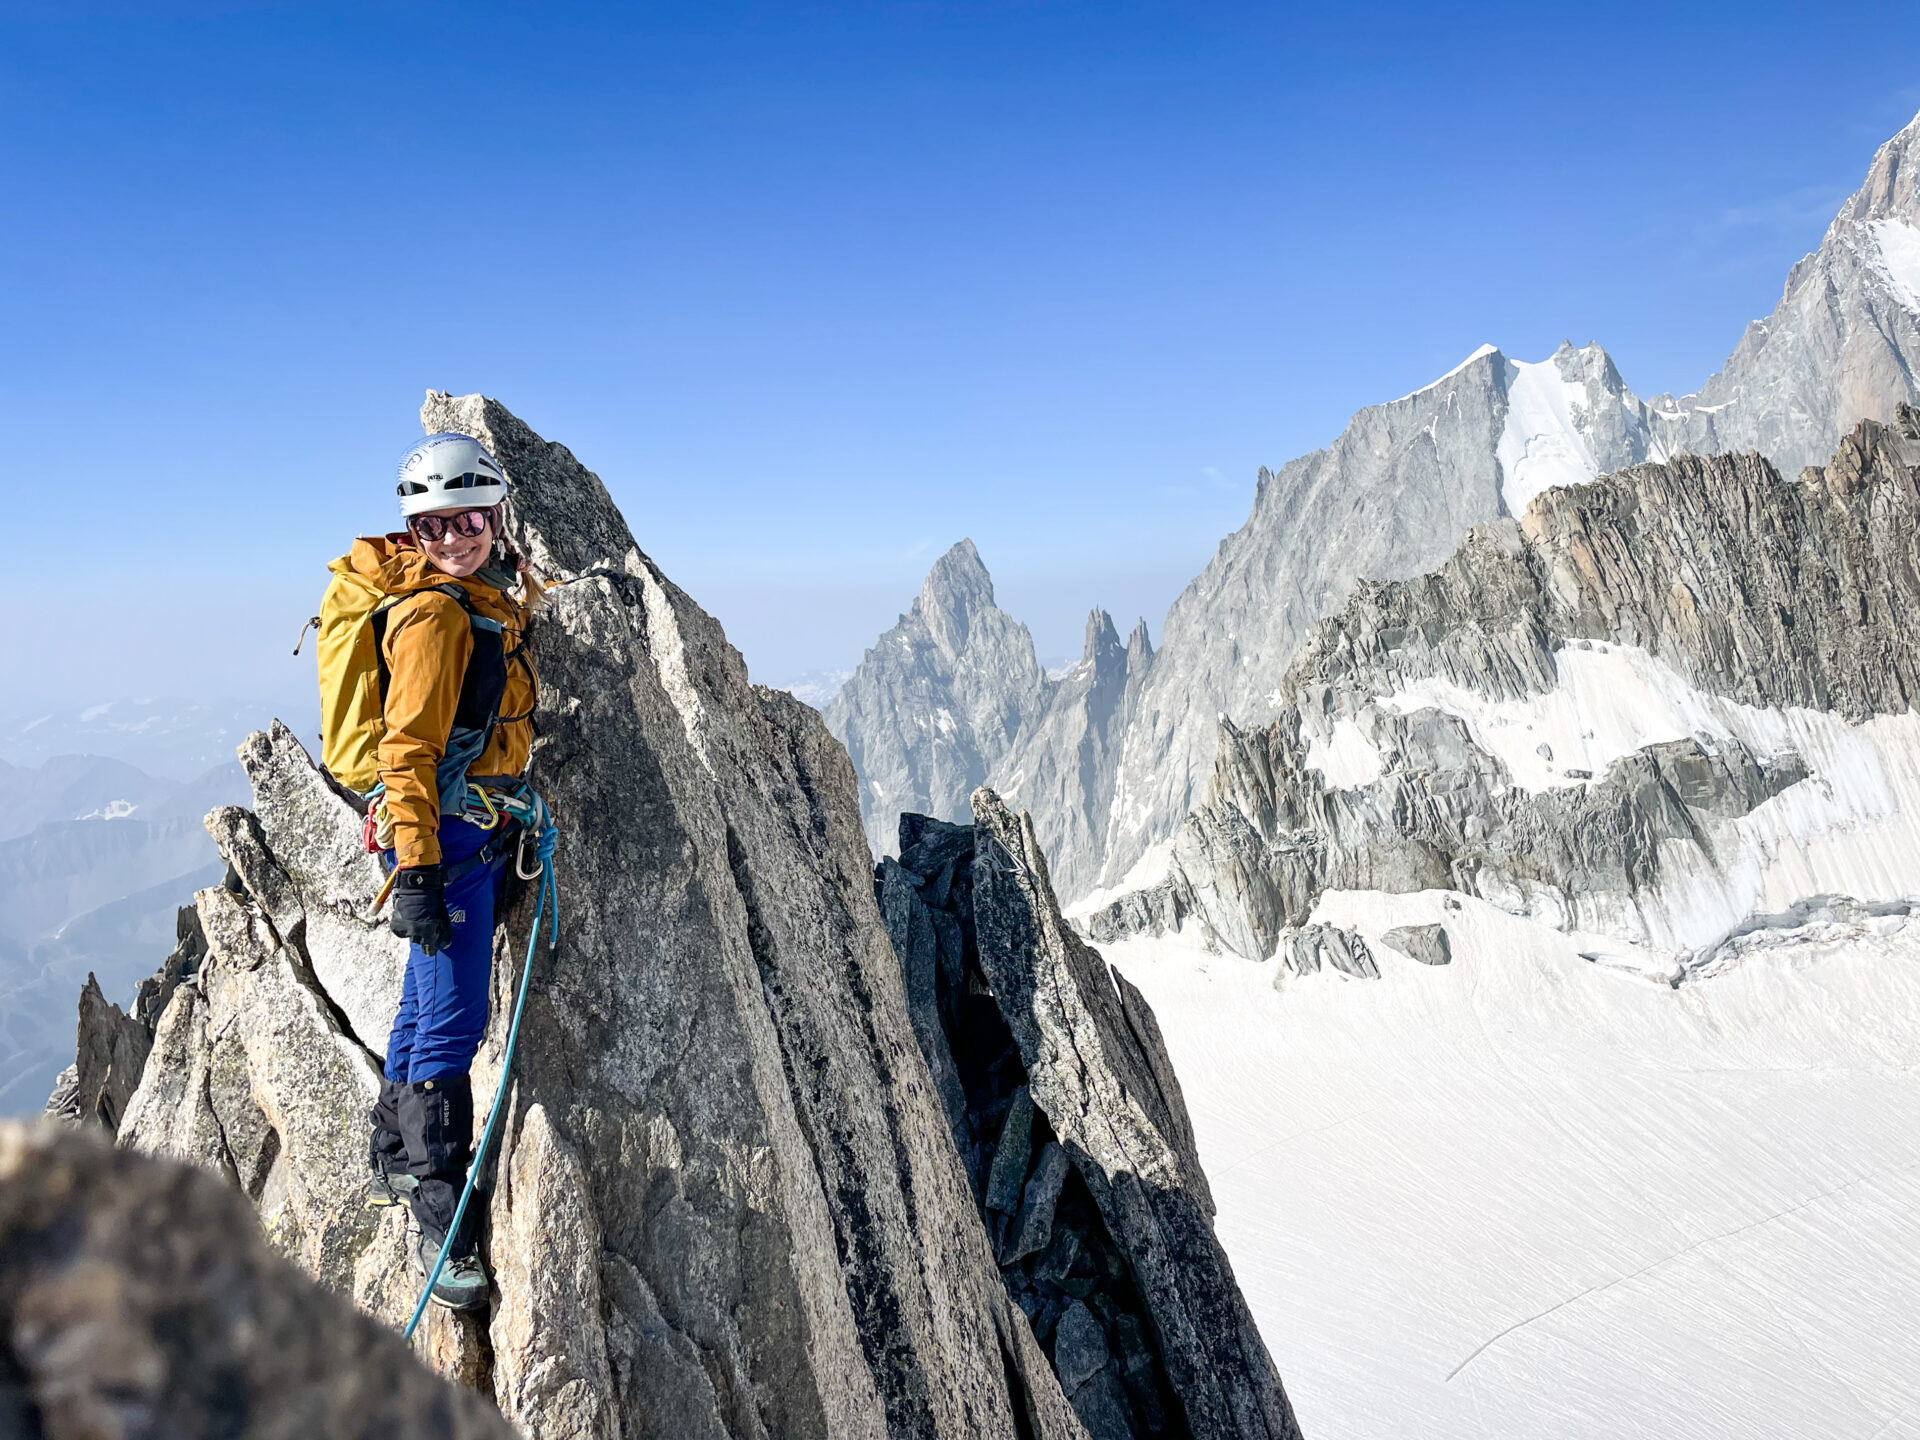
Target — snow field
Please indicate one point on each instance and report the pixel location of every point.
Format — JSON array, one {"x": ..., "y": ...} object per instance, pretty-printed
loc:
[
  {"x": 1851, "y": 828},
  {"x": 1524, "y": 1195}
]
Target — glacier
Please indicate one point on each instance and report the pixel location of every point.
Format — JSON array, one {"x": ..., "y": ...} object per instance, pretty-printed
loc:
[{"x": 1528, "y": 1195}]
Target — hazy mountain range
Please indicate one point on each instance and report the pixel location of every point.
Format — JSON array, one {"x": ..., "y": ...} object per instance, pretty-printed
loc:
[
  {"x": 168, "y": 737},
  {"x": 95, "y": 858}
]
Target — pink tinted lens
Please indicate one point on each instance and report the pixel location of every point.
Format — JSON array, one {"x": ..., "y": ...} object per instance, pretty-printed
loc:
[{"x": 435, "y": 527}]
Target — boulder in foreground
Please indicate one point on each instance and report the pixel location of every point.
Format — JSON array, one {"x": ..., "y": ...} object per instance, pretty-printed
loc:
[{"x": 138, "y": 1298}]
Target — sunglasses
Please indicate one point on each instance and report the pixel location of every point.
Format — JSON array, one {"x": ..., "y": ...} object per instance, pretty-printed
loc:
[{"x": 466, "y": 523}]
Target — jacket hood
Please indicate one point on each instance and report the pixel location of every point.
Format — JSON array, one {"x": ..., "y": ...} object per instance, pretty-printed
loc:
[{"x": 395, "y": 564}]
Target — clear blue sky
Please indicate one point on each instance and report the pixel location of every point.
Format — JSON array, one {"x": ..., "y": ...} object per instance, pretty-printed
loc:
[{"x": 819, "y": 289}]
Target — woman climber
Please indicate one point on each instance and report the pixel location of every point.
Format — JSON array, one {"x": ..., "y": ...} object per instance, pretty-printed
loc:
[{"x": 433, "y": 611}]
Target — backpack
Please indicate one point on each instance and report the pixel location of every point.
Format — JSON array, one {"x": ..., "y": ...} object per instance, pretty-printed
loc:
[{"x": 353, "y": 684}]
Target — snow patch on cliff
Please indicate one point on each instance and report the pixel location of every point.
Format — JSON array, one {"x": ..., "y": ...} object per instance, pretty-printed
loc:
[
  {"x": 1611, "y": 701},
  {"x": 1343, "y": 754},
  {"x": 1898, "y": 245},
  {"x": 1543, "y": 443},
  {"x": 1526, "y": 1194},
  {"x": 1484, "y": 350},
  {"x": 1150, "y": 869}
]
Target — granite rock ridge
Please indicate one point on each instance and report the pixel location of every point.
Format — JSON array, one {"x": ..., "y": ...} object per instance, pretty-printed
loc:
[
  {"x": 954, "y": 695},
  {"x": 726, "y": 1200},
  {"x": 111, "y": 1045},
  {"x": 1767, "y": 622},
  {"x": 1068, "y": 1117}
]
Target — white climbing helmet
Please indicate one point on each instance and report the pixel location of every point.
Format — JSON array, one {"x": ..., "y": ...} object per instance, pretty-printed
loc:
[{"x": 446, "y": 470}]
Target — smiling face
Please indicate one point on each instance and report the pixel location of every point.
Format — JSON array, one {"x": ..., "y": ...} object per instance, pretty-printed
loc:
[{"x": 459, "y": 555}]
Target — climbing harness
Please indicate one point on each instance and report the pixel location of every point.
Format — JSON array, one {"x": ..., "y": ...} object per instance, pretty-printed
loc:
[
  {"x": 515, "y": 814},
  {"x": 537, "y": 828}
]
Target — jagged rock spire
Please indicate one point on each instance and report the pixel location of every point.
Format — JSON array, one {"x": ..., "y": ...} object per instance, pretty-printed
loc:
[{"x": 726, "y": 1202}]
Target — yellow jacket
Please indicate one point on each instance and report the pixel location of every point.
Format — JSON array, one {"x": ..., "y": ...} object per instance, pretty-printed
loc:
[{"x": 428, "y": 642}]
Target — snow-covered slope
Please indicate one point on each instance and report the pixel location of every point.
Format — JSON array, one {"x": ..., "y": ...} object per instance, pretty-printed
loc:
[
  {"x": 1524, "y": 1195},
  {"x": 1569, "y": 418},
  {"x": 1556, "y": 1064}
]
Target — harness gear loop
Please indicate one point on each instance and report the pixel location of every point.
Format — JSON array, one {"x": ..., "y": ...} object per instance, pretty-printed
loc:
[{"x": 549, "y": 837}]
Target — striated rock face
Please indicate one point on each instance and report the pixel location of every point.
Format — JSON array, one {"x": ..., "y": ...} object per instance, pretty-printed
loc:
[
  {"x": 1065, "y": 1109},
  {"x": 1648, "y": 710},
  {"x": 1308, "y": 949},
  {"x": 726, "y": 1199},
  {"x": 1426, "y": 943},
  {"x": 137, "y": 1297},
  {"x": 1109, "y": 758},
  {"x": 1389, "y": 499},
  {"x": 1843, "y": 344},
  {"x": 1065, "y": 765},
  {"x": 954, "y": 695}
]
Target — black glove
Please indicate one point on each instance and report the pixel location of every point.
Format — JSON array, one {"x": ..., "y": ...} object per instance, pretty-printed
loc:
[{"x": 420, "y": 907}]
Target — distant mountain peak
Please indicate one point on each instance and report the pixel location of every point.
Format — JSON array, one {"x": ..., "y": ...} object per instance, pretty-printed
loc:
[
  {"x": 1388, "y": 499},
  {"x": 1482, "y": 353},
  {"x": 1891, "y": 190},
  {"x": 962, "y": 572},
  {"x": 956, "y": 591},
  {"x": 1102, "y": 634}
]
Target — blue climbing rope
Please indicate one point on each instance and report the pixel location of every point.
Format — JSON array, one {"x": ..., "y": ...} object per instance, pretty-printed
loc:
[{"x": 549, "y": 891}]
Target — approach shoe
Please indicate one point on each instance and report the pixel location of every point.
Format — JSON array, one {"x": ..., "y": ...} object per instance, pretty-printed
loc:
[
  {"x": 462, "y": 1284},
  {"x": 387, "y": 1186}
]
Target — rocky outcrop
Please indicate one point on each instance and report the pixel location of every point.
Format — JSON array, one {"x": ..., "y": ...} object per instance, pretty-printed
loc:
[
  {"x": 726, "y": 1200},
  {"x": 111, "y": 1053},
  {"x": 954, "y": 697},
  {"x": 1064, "y": 1106},
  {"x": 112, "y": 1046},
  {"x": 1764, "y": 616},
  {"x": 1426, "y": 943},
  {"x": 1309, "y": 949},
  {"x": 1063, "y": 768},
  {"x": 1843, "y": 344},
  {"x": 137, "y": 1297}
]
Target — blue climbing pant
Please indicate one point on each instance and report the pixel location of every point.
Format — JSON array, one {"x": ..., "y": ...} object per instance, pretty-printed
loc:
[{"x": 443, "y": 1001}]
